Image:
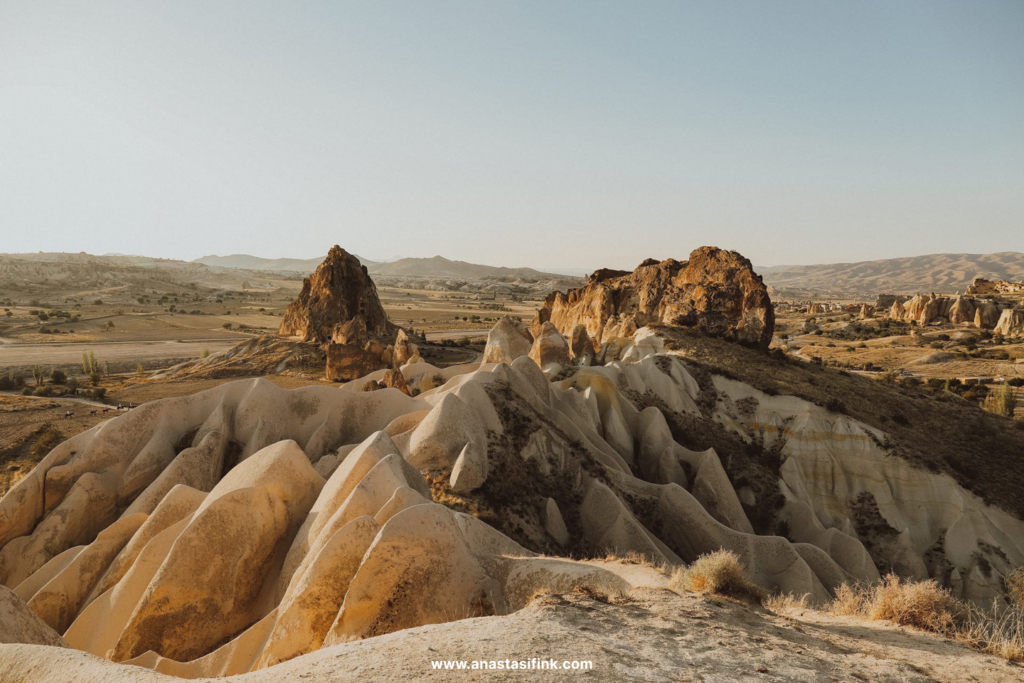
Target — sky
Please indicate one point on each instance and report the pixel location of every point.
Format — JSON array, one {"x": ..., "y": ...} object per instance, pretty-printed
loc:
[{"x": 563, "y": 134}]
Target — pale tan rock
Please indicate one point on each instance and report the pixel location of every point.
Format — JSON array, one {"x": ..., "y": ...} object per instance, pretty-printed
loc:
[
  {"x": 549, "y": 347},
  {"x": 310, "y": 606},
  {"x": 59, "y": 601},
  {"x": 19, "y": 625},
  {"x": 470, "y": 470},
  {"x": 1011, "y": 323},
  {"x": 986, "y": 316},
  {"x": 962, "y": 311},
  {"x": 554, "y": 524},
  {"x": 507, "y": 341}
]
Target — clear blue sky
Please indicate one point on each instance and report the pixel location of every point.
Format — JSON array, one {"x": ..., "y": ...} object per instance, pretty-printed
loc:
[{"x": 550, "y": 134}]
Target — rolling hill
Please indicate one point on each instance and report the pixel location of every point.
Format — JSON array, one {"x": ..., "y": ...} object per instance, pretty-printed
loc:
[
  {"x": 434, "y": 267},
  {"x": 247, "y": 262},
  {"x": 941, "y": 273}
]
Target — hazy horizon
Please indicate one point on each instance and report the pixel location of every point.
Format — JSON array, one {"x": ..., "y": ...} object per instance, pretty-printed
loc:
[{"x": 558, "y": 137}]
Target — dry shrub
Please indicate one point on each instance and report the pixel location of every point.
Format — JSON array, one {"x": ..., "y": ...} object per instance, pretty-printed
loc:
[
  {"x": 1014, "y": 582},
  {"x": 634, "y": 557},
  {"x": 849, "y": 601},
  {"x": 997, "y": 631},
  {"x": 785, "y": 603},
  {"x": 923, "y": 605},
  {"x": 720, "y": 573},
  {"x": 927, "y": 606}
]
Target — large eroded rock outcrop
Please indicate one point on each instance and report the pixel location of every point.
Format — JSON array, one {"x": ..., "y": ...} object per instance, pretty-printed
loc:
[
  {"x": 715, "y": 291},
  {"x": 339, "y": 290}
]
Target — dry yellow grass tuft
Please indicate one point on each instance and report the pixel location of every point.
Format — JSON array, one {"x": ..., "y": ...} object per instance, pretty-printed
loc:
[
  {"x": 634, "y": 557},
  {"x": 927, "y": 606},
  {"x": 1015, "y": 587},
  {"x": 720, "y": 573}
]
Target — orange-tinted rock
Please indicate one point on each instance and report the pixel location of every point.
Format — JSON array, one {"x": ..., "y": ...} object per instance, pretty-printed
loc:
[
  {"x": 346, "y": 362},
  {"x": 337, "y": 292},
  {"x": 395, "y": 380},
  {"x": 715, "y": 291}
]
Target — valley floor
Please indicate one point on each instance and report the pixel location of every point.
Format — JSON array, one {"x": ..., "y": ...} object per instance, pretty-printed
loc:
[{"x": 656, "y": 635}]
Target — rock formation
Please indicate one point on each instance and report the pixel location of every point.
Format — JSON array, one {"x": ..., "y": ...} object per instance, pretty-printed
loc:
[
  {"x": 962, "y": 311},
  {"x": 986, "y": 316},
  {"x": 1011, "y": 323},
  {"x": 339, "y": 290},
  {"x": 866, "y": 312},
  {"x": 506, "y": 341},
  {"x": 715, "y": 291},
  {"x": 984, "y": 287},
  {"x": 247, "y": 525}
]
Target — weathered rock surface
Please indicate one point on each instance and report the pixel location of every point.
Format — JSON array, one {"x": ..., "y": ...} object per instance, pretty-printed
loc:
[
  {"x": 339, "y": 290},
  {"x": 247, "y": 525},
  {"x": 1011, "y": 323},
  {"x": 19, "y": 624},
  {"x": 507, "y": 341},
  {"x": 715, "y": 291},
  {"x": 549, "y": 347}
]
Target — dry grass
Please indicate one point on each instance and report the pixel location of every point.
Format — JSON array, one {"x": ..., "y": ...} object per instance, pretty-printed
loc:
[
  {"x": 1014, "y": 582},
  {"x": 634, "y": 557},
  {"x": 785, "y": 603},
  {"x": 927, "y": 606},
  {"x": 719, "y": 573}
]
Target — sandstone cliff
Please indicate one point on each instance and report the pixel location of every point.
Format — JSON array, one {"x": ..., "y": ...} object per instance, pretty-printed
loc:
[{"x": 715, "y": 291}]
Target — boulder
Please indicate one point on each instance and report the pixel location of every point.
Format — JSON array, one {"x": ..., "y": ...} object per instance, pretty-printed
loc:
[
  {"x": 715, "y": 291},
  {"x": 394, "y": 379}
]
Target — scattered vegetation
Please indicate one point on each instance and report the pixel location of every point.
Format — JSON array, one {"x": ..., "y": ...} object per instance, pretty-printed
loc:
[
  {"x": 927, "y": 606},
  {"x": 720, "y": 573}
]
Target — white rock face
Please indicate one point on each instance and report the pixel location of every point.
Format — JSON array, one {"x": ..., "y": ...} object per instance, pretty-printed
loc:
[{"x": 246, "y": 525}]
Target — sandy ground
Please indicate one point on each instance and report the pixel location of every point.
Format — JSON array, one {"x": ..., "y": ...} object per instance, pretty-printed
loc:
[
  {"x": 655, "y": 636},
  {"x": 24, "y": 419}
]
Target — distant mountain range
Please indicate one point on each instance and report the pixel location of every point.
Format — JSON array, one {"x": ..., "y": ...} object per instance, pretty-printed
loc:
[
  {"x": 247, "y": 262},
  {"x": 434, "y": 267},
  {"x": 941, "y": 273}
]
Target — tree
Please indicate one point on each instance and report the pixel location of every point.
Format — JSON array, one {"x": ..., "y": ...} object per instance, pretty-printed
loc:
[
  {"x": 139, "y": 370},
  {"x": 1002, "y": 401},
  {"x": 94, "y": 378},
  {"x": 37, "y": 374},
  {"x": 58, "y": 377}
]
